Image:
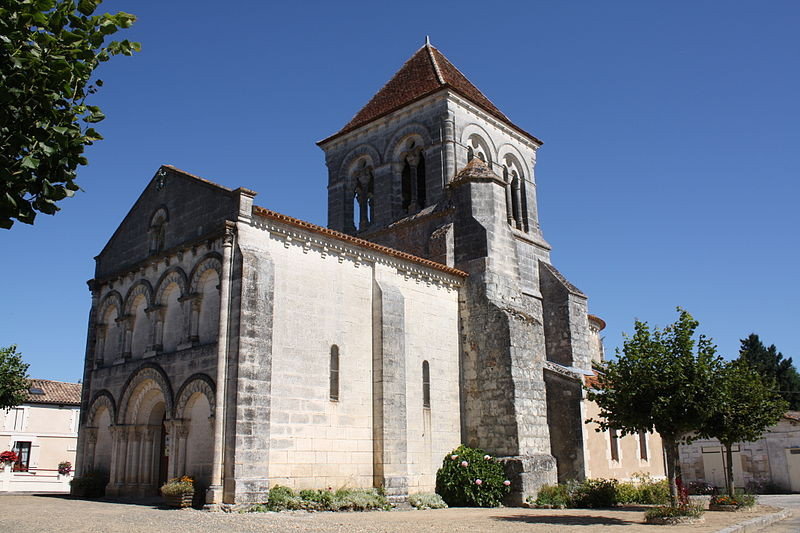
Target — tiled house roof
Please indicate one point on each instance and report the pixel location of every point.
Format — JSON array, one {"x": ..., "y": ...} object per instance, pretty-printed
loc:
[
  {"x": 425, "y": 73},
  {"x": 54, "y": 392}
]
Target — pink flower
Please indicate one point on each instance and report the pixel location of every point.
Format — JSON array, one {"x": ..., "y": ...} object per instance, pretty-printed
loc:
[
  {"x": 464, "y": 464},
  {"x": 506, "y": 483},
  {"x": 487, "y": 457},
  {"x": 453, "y": 457},
  {"x": 478, "y": 482}
]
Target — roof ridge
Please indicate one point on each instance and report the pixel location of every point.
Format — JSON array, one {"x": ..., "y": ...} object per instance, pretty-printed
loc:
[
  {"x": 436, "y": 69},
  {"x": 54, "y": 381}
]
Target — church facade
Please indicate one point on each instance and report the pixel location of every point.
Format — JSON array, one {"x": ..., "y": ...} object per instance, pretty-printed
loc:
[{"x": 247, "y": 348}]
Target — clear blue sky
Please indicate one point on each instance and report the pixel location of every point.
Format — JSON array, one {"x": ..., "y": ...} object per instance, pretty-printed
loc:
[{"x": 669, "y": 174}]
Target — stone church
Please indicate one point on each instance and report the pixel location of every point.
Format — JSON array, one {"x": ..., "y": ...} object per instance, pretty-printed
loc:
[{"x": 248, "y": 348}]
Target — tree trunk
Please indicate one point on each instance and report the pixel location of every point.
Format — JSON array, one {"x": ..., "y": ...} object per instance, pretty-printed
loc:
[
  {"x": 672, "y": 455},
  {"x": 729, "y": 469}
]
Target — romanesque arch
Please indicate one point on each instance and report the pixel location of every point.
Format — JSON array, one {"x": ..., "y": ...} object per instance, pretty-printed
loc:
[
  {"x": 195, "y": 384},
  {"x": 171, "y": 293},
  {"x": 476, "y": 141},
  {"x": 108, "y": 328},
  {"x": 99, "y": 419},
  {"x": 395, "y": 146},
  {"x": 515, "y": 173},
  {"x": 194, "y": 411},
  {"x": 137, "y": 382},
  {"x": 138, "y": 329},
  {"x": 204, "y": 289},
  {"x": 359, "y": 151}
]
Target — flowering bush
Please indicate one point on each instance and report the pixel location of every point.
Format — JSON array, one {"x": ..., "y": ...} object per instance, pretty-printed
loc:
[
  {"x": 177, "y": 486},
  {"x": 470, "y": 477},
  {"x": 426, "y": 500},
  {"x": 740, "y": 500},
  {"x": 8, "y": 457},
  {"x": 283, "y": 498},
  {"x": 64, "y": 468}
]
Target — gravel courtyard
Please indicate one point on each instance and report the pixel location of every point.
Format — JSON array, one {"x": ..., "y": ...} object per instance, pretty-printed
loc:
[{"x": 34, "y": 514}]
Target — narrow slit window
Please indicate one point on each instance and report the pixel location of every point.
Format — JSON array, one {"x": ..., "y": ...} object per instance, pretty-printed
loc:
[
  {"x": 426, "y": 384},
  {"x": 614, "y": 442},
  {"x": 334, "y": 373},
  {"x": 643, "y": 445}
]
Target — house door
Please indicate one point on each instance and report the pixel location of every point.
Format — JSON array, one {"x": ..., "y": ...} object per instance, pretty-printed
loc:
[
  {"x": 793, "y": 462},
  {"x": 714, "y": 465}
]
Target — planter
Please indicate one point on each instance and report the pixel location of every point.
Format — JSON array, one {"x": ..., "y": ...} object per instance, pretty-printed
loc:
[
  {"x": 179, "y": 501},
  {"x": 723, "y": 507}
]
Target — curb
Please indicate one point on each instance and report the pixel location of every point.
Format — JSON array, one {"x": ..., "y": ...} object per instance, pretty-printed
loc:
[{"x": 757, "y": 523}]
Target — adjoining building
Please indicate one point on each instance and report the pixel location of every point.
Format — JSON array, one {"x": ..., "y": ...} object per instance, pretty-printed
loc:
[
  {"x": 248, "y": 348},
  {"x": 43, "y": 432},
  {"x": 772, "y": 462}
]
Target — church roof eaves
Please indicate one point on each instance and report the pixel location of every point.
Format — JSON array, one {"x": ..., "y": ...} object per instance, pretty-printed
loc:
[
  {"x": 426, "y": 72},
  {"x": 361, "y": 243}
]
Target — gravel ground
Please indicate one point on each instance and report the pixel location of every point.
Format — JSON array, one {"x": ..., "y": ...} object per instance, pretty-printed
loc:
[{"x": 34, "y": 514}]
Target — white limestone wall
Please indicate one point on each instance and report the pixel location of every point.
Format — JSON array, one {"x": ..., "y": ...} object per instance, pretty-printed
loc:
[
  {"x": 320, "y": 301},
  {"x": 324, "y": 298},
  {"x": 431, "y": 313}
]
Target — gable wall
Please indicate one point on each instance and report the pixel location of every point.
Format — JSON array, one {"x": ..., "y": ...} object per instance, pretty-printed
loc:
[{"x": 195, "y": 209}]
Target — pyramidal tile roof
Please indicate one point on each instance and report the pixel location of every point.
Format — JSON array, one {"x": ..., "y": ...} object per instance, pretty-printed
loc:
[{"x": 426, "y": 72}]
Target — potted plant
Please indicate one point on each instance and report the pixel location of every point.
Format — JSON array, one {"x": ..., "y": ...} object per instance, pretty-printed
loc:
[
  {"x": 64, "y": 468},
  {"x": 7, "y": 459},
  {"x": 178, "y": 492}
]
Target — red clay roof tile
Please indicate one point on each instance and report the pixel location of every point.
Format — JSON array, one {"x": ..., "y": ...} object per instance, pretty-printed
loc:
[{"x": 425, "y": 72}]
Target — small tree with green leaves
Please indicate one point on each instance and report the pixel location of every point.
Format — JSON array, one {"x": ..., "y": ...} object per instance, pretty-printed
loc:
[
  {"x": 14, "y": 382},
  {"x": 745, "y": 407},
  {"x": 664, "y": 381},
  {"x": 48, "y": 52}
]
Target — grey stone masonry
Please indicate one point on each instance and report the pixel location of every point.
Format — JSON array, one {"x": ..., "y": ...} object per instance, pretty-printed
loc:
[
  {"x": 250, "y": 378},
  {"x": 390, "y": 439}
]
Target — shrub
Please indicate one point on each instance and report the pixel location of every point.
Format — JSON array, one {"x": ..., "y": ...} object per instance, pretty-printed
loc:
[
  {"x": 92, "y": 484},
  {"x": 426, "y": 500},
  {"x": 282, "y": 498},
  {"x": 667, "y": 511},
  {"x": 552, "y": 496},
  {"x": 741, "y": 499},
  {"x": 627, "y": 493},
  {"x": 651, "y": 492},
  {"x": 594, "y": 493},
  {"x": 177, "y": 486},
  {"x": 701, "y": 488},
  {"x": 470, "y": 477},
  {"x": 762, "y": 487},
  {"x": 358, "y": 500}
]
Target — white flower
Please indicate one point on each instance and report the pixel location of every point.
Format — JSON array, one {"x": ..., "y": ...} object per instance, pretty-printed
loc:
[
  {"x": 478, "y": 481},
  {"x": 464, "y": 464},
  {"x": 506, "y": 483},
  {"x": 453, "y": 457},
  {"x": 487, "y": 457}
]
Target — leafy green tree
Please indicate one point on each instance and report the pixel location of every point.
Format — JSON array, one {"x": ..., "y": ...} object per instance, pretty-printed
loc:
[
  {"x": 13, "y": 378},
  {"x": 48, "y": 52},
  {"x": 769, "y": 362},
  {"x": 664, "y": 381},
  {"x": 747, "y": 405}
]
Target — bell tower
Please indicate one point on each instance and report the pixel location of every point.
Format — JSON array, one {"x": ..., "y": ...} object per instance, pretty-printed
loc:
[{"x": 430, "y": 166}]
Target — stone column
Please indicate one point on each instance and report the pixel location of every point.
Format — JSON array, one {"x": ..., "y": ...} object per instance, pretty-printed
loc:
[
  {"x": 413, "y": 161},
  {"x": 156, "y": 315},
  {"x": 146, "y": 478},
  {"x": 133, "y": 457},
  {"x": 194, "y": 327},
  {"x": 120, "y": 458},
  {"x": 183, "y": 437},
  {"x": 91, "y": 443},
  {"x": 509, "y": 203},
  {"x": 450, "y": 148},
  {"x": 100, "y": 344},
  {"x": 214, "y": 494}
]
